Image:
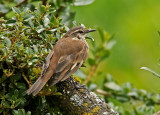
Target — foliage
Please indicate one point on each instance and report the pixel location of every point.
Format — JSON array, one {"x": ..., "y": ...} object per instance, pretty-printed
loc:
[
  {"x": 129, "y": 100},
  {"x": 25, "y": 40},
  {"x": 126, "y": 99},
  {"x": 153, "y": 72},
  {"x": 27, "y": 35}
]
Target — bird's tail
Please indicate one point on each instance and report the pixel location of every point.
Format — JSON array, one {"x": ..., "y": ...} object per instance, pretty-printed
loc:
[{"x": 38, "y": 85}]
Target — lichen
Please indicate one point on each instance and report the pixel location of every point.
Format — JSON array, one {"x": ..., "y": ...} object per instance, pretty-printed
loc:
[
  {"x": 87, "y": 113},
  {"x": 95, "y": 109},
  {"x": 81, "y": 90},
  {"x": 77, "y": 101},
  {"x": 77, "y": 79},
  {"x": 85, "y": 104}
]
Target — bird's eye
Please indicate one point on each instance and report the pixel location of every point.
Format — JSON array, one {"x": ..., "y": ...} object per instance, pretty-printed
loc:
[{"x": 80, "y": 31}]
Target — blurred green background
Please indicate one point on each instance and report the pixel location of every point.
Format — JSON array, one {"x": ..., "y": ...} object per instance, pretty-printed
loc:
[{"x": 136, "y": 23}]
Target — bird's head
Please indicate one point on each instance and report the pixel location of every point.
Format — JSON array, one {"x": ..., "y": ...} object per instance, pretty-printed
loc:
[{"x": 78, "y": 32}]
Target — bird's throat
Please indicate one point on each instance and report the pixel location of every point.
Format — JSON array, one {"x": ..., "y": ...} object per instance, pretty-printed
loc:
[{"x": 78, "y": 38}]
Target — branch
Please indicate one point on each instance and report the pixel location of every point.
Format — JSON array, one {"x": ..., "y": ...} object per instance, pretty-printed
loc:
[
  {"x": 58, "y": 11},
  {"x": 44, "y": 2},
  {"x": 92, "y": 70},
  {"x": 24, "y": 1},
  {"x": 157, "y": 113},
  {"x": 76, "y": 101}
]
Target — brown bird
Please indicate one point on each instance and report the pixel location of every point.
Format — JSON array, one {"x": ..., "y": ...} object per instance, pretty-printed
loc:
[{"x": 66, "y": 57}]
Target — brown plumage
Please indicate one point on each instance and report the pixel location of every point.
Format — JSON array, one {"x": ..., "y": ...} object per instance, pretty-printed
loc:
[{"x": 66, "y": 57}]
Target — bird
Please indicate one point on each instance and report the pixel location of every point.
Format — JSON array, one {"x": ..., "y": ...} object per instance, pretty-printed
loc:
[{"x": 66, "y": 58}]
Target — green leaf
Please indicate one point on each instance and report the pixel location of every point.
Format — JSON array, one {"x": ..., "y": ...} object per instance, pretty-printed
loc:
[
  {"x": 122, "y": 98},
  {"x": 153, "y": 72},
  {"x": 51, "y": 10},
  {"x": 16, "y": 77},
  {"x": 56, "y": 21},
  {"x": 21, "y": 85},
  {"x": 41, "y": 8},
  {"x": 7, "y": 41},
  {"x": 110, "y": 44},
  {"x": 91, "y": 61},
  {"x": 68, "y": 17},
  {"x": 159, "y": 33},
  {"x": 28, "y": 113},
  {"x": 113, "y": 86},
  {"x": 90, "y": 38},
  {"x": 52, "y": 18},
  {"x": 35, "y": 48},
  {"x": 57, "y": 93},
  {"x": 16, "y": 103},
  {"x": 25, "y": 9},
  {"x": 133, "y": 94},
  {"x": 28, "y": 17},
  {"x": 40, "y": 30},
  {"x": 105, "y": 54},
  {"x": 31, "y": 24},
  {"x": 16, "y": 10},
  {"x": 19, "y": 112},
  {"x": 15, "y": 112},
  {"x": 46, "y": 21},
  {"x": 115, "y": 101},
  {"x": 101, "y": 33},
  {"x": 110, "y": 37},
  {"x": 83, "y": 2},
  {"x": 2, "y": 79},
  {"x": 11, "y": 22},
  {"x": 5, "y": 103},
  {"x": 3, "y": 8},
  {"x": 1, "y": 110},
  {"x": 21, "y": 99},
  {"x": 16, "y": 93}
]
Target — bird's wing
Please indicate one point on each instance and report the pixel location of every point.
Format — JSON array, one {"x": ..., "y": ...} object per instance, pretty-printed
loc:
[
  {"x": 80, "y": 58},
  {"x": 47, "y": 62},
  {"x": 71, "y": 71},
  {"x": 67, "y": 67},
  {"x": 64, "y": 64}
]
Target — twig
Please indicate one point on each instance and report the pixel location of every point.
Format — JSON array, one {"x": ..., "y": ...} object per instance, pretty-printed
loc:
[
  {"x": 44, "y": 2},
  {"x": 24, "y": 1},
  {"x": 42, "y": 15},
  {"x": 157, "y": 113},
  {"x": 92, "y": 70},
  {"x": 59, "y": 10},
  {"x": 102, "y": 92},
  {"x": 26, "y": 79}
]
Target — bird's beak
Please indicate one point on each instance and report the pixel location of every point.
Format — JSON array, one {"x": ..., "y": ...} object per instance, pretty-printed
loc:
[{"x": 90, "y": 30}]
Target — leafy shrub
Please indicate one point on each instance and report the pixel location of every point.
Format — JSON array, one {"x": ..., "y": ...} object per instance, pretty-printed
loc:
[
  {"x": 28, "y": 34},
  {"x": 25, "y": 41}
]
